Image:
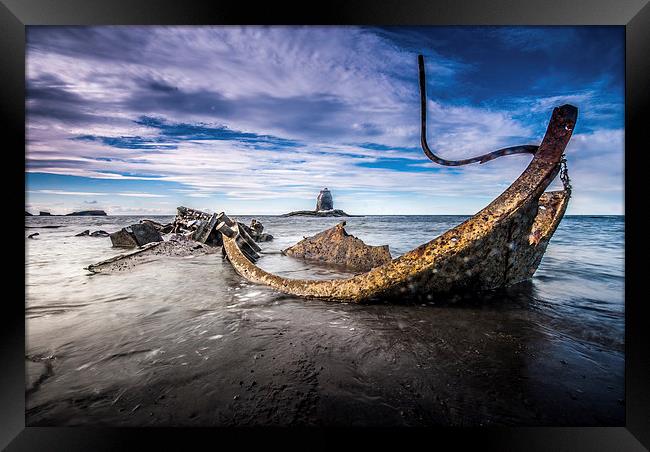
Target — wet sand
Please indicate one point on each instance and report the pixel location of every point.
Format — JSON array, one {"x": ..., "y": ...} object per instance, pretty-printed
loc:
[
  {"x": 187, "y": 342},
  {"x": 370, "y": 365}
]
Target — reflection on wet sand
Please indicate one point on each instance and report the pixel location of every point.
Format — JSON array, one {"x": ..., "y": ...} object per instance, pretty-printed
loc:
[{"x": 147, "y": 348}]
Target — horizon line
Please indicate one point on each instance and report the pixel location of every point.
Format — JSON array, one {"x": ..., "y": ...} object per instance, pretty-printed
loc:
[{"x": 351, "y": 216}]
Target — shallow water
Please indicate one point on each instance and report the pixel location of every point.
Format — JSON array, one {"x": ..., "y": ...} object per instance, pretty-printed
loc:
[{"x": 186, "y": 341}]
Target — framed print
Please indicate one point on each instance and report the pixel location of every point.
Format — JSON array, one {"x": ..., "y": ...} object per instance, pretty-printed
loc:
[{"x": 380, "y": 217}]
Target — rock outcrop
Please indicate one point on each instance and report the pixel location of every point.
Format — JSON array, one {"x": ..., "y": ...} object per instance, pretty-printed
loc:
[
  {"x": 135, "y": 235},
  {"x": 324, "y": 200},
  {"x": 87, "y": 233},
  {"x": 162, "y": 228},
  {"x": 123, "y": 239},
  {"x": 145, "y": 233},
  {"x": 336, "y": 246},
  {"x": 324, "y": 208},
  {"x": 319, "y": 213}
]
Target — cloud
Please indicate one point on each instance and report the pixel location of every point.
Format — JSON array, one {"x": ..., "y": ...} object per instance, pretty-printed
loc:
[
  {"x": 66, "y": 193},
  {"x": 534, "y": 39},
  {"x": 83, "y": 193},
  {"x": 275, "y": 113},
  {"x": 142, "y": 195}
]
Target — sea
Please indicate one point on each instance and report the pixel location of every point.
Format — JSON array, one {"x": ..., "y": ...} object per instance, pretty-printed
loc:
[{"x": 185, "y": 341}]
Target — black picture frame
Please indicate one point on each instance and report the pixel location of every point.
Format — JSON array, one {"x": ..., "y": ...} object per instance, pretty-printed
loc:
[{"x": 633, "y": 14}]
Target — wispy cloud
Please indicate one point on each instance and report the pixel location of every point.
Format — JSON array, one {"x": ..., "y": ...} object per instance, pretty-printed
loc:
[
  {"x": 142, "y": 195},
  {"x": 85, "y": 193},
  {"x": 263, "y": 117},
  {"x": 534, "y": 39},
  {"x": 66, "y": 193}
]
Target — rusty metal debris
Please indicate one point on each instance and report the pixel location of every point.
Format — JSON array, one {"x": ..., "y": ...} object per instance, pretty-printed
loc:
[
  {"x": 135, "y": 235},
  {"x": 195, "y": 224},
  {"x": 336, "y": 246},
  {"x": 192, "y": 233},
  {"x": 501, "y": 245},
  {"x": 524, "y": 149}
]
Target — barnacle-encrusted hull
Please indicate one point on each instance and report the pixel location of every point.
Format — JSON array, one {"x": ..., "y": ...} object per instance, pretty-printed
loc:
[{"x": 501, "y": 245}]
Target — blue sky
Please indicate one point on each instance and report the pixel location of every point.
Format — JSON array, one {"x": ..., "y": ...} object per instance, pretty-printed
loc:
[{"x": 256, "y": 120}]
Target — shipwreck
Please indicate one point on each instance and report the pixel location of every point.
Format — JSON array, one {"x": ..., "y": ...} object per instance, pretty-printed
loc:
[{"x": 500, "y": 245}]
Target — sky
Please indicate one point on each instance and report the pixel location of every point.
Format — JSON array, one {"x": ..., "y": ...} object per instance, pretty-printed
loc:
[{"x": 257, "y": 120}]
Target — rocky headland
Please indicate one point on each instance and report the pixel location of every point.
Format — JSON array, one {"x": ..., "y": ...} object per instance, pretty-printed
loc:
[
  {"x": 87, "y": 213},
  {"x": 81, "y": 213}
]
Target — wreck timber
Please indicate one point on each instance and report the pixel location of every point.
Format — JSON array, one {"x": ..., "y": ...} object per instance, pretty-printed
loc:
[
  {"x": 500, "y": 245},
  {"x": 203, "y": 231}
]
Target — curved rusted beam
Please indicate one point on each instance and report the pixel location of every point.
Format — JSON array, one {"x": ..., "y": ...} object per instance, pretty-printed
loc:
[
  {"x": 500, "y": 245},
  {"x": 524, "y": 149}
]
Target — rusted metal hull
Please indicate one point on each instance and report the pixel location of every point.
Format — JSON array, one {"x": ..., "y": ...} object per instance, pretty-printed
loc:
[
  {"x": 336, "y": 246},
  {"x": 500, "y": 245}
]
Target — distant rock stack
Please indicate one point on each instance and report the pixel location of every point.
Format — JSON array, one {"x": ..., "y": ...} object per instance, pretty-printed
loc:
[
  {"x": 324, "y": 208},
  {"x": 324, "y": 200}
]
